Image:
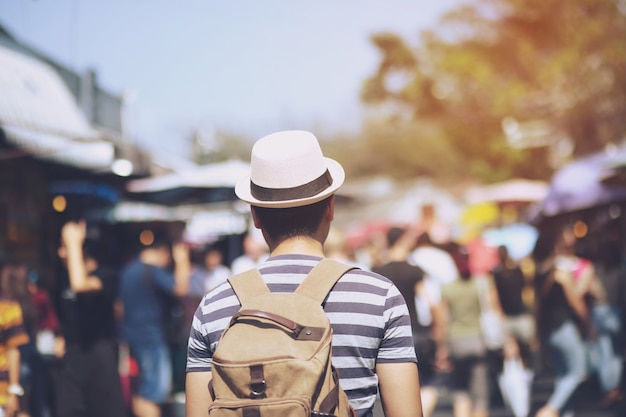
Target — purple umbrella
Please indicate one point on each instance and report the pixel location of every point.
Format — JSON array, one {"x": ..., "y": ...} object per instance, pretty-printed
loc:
[{"x": 578, "y": 186}]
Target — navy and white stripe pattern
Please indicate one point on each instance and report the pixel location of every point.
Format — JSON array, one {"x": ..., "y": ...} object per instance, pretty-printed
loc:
[{"x": 368, "y": 314}]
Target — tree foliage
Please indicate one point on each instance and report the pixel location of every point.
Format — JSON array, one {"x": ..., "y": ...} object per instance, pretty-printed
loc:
[{"x": 560, "y": 63}]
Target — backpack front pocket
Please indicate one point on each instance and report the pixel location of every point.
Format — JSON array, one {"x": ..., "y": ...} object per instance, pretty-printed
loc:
[{"x": 266, "y": 407}]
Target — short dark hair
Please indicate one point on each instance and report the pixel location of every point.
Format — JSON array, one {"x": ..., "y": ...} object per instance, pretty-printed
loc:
[
  {"x": 424, "y": 239},
  {"x": 393, "y": 235},
  {"x": 282, "y": 223}
]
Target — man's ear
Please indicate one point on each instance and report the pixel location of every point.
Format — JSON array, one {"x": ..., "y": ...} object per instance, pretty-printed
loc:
[
  {"x": 330, "y": 210},
  {"x": 255, "y": 219}
]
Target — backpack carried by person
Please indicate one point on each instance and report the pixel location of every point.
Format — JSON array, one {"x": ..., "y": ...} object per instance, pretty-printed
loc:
[{"x": 274, "y": 358}]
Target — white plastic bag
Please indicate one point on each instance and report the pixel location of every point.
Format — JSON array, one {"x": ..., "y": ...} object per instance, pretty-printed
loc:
[
  {"x": 492, "y": 328},
  {"x": 491, "y": 322},
  {"x": 515, "y": 384}
]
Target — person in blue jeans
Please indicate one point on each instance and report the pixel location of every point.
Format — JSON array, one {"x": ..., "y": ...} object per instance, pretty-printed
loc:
[
  {"x": 561, "y": 312},
  {"x": 145, "y": 285},
  {"x": 606, "y": 293}
]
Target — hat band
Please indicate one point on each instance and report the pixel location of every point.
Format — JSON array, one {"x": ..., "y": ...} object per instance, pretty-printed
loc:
[{"x": 294, "y": 193}]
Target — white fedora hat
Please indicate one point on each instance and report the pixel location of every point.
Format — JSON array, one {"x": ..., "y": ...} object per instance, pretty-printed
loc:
[{"x": 288, "y": 169}]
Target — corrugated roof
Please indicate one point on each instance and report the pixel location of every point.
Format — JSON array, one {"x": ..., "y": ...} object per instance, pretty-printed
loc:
[{"x": 39, "y": 115}]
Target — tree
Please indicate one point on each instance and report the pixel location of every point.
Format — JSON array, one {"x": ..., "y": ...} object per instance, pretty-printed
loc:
[
  {"x": 210, "y": 145},
  {"x": 515, "y": 63}
]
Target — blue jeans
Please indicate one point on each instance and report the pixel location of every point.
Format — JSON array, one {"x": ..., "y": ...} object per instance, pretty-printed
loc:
[
  {"x": 155, "y": 371},
  {"x": 569, "y": 362},
  {"x": 609, "y": 363}
]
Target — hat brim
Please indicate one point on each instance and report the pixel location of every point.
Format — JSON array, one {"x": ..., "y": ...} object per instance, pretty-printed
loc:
[{"x": 242, "y": 190}]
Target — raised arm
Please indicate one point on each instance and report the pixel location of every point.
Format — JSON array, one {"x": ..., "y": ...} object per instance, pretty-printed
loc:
[
  {"x": 73, "y": 237},
  {"x": 182, "y": 268}
]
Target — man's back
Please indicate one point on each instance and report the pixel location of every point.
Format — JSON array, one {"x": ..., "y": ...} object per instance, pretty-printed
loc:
[
  {"x": 405, "y": 276},
  {"x": 368, "y": 315},
  {"x": 88, "y": 317},
  {"x": 140, "y": 288}
]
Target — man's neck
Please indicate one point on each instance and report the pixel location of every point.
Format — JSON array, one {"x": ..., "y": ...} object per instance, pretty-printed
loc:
[{"x": 300, "y": 245}]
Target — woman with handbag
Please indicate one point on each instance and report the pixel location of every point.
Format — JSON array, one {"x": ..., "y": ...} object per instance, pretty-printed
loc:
[{"x": 561, "y": 313}]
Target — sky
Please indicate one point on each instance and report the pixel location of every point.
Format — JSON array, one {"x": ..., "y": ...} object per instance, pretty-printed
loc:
[{"x": 248, "y": 67}]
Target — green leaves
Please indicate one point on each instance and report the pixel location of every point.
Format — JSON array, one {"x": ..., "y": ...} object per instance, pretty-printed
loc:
[{"x": 560, "y": 62}]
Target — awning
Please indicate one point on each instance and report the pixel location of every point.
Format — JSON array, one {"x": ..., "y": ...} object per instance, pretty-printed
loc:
[
  {"x": 222, "y": 174},
  {"x": 39, "y": 115},
  {"x": 86, "y": 155},
  {"x": 204, "y": 222},
  {"x": 514, "y": 190}
]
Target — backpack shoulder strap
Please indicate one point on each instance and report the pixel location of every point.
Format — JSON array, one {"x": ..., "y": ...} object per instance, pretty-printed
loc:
[
  {"x": 322, "y": 278},
  {"x": 248, "y": 284}
]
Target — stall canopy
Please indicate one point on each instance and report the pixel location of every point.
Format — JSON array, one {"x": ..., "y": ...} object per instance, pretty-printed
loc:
[
  {"x": 202, "y": 184},
  {"x": 39, "y": 115},
  {"x": 515, "y": 190}
]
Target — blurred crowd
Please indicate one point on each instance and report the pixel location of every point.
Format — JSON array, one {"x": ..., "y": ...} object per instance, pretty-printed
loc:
[
  {"x": 487, "y": 324},
  {"x": 111, "y": 340}
]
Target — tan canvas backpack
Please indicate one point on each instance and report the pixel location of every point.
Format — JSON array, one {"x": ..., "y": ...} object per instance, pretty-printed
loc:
[{"x": 274, "y": 358}]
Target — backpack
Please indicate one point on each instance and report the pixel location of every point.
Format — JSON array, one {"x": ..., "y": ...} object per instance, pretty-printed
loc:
[{"x": 274, "y": 357}]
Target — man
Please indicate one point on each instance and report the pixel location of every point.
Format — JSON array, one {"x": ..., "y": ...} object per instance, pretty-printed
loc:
[
  {"x": 89, "y": 384},
  {"x": 145, "y": 290},
  {"x": 438, "y": 265},
  {"x": 291, "y": 192},
  {"x": 254, "y": 252},
  {"x": 424, "y": 312},
  {"x": 210, "y": 274}
]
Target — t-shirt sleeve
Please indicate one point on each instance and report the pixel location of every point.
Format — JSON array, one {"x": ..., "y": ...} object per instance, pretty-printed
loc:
[
  {"x": 397, "y": 342},
  {"x": 199, "y": 351},
  {"x": 110, "y": 282},
  {"x": 13, "y": 326},
  {"x": 210, "y": 319}
]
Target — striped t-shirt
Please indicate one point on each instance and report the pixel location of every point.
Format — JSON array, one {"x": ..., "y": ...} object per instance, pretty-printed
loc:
[{"x": 368, "y": 315}]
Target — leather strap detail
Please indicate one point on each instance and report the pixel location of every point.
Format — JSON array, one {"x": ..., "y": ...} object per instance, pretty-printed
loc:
[
  {"x": 331, "y": 401},
  {"x": 257, "y": 382}
]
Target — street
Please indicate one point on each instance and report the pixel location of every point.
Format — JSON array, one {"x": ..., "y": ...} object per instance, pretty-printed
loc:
[{"x": 586, "y": 400}]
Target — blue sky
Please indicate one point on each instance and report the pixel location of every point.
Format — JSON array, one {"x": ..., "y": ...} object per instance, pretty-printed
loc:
[{"x": 246, "y": 66}]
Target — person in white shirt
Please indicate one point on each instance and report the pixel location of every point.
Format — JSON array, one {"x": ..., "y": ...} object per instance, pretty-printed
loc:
[
  {"x": 209, "y": 275},
  {"x": 255, "y": 251},
  {"x": 437, "y": 264}
]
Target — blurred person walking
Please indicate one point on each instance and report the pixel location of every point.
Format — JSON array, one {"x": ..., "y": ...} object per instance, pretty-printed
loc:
[
  {"x": 211, "y": 273},
  {"x": 50, "y": 346},
  {"x": 13, "y": 338},
  {"x": 206, "y": 273},
  {"x": 438, "y": 264},
  {"x": 510, "y": 285},
  {"x": 513, "y": 372},
  {"x": 561, "y": 314},
  {"x": 603, "y": 288},
  {"x": 147, "y": 289},
  {"x": 410, "y": 281},
  {"x": 254, "y": 253},
  {"x": 466, "y": 350},
  {"x": 15, "y": 284},
  {"x": 89, "y": 384}
]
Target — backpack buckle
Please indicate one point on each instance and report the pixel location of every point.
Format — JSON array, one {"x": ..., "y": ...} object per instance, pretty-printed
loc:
[
  {"x": 257, "y": 382},
  {"x": 257, "y": 389}
]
